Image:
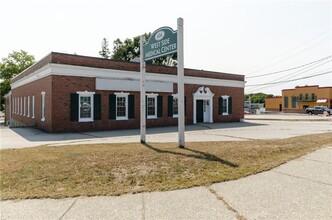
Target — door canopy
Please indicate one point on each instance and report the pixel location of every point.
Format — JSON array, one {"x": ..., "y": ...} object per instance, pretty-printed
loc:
[{"x": 203, "y": 93}]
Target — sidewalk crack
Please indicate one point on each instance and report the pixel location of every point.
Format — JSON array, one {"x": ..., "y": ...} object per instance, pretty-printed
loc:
[
  {"x": 228, "y": 206},
  {"x": 68, "y": 209}
]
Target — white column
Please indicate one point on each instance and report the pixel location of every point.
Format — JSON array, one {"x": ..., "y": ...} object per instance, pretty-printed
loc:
[
  {"x": 181, "y": 121},
  {"x": 142, "y": 67},
  {"x": 211, "y": 109}
]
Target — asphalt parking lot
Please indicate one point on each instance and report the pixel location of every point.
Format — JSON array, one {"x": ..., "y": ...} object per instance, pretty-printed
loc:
[{"x": 254, "y": 127}]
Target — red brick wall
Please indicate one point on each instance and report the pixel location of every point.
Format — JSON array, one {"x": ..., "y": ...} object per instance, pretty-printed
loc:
[
  {"x": 30, "y": 89},
  {"x": 63, "y": 86}
]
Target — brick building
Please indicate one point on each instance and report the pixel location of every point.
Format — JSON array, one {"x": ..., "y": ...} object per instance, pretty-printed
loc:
[
  {"x": 300, "y": 98},
  {"x": 65, "y": 93}
]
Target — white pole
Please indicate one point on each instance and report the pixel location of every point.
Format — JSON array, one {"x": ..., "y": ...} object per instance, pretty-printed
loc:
[
  {"x": 142, "y": 67},
  {"x": 181, "y": 122}
]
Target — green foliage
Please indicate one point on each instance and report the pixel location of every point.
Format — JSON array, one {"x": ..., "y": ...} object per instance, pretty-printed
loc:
[
  {"x": 105, "y": 51},
  {"x": 257, "y": 97},
  {"x": 129, "y": 49},
  {"x": 13, "y": 64}
]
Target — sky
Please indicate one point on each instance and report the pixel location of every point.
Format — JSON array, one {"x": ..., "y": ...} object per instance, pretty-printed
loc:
[{"x": 240, "y": 37}]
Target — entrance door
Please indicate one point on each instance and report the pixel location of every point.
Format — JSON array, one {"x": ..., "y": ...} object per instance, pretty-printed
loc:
[
  {"x": 199, "y": 111},
  {"x": 280, "y": 107}
]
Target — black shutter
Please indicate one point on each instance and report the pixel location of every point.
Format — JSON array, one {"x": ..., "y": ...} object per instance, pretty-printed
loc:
[
  {"x": 146, "y": 106},
  {"x": 159, "y": 106},
  {"x": 230, "y": 107},
  {"x": 73, "y": 107},
  {"x": 96, "y": 106},
  {"x": 220, "y": 105},
  {"x": 170, "y": 106},
  {"x": 131, "y": 106},
  {"x": 112, "y": 106},
  {"x": 185, "y": 106}
]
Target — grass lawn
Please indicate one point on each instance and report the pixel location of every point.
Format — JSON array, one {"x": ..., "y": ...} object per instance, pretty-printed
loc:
[{"x": 114, "y": 169}]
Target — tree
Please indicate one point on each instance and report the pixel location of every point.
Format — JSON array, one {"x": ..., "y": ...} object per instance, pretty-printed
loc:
[
  {"x": 129, "y": 49},
  {"x": 13, "y": 64},
  {"x": 105, "y": 51},
  {"x": 257, "y": 97}
]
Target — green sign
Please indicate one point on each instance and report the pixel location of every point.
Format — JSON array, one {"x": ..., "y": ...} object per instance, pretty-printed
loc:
[{"x": 161, "y": 43}]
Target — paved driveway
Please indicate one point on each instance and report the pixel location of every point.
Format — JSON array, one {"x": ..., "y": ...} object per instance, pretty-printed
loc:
[{"x": 249, "y": 130}]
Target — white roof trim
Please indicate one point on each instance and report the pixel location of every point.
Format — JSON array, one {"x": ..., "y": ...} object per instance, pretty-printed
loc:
[{"x": 81, "y": 71}]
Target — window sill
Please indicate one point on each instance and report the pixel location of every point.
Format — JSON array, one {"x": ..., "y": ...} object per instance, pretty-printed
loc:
[
  {"x": 122, "y": 118},
  {"x": 85, "y": 120},
  {"x": 175, "y": 116},
  {"x": 43, "y": 119},
  {"x": 225, "y": 114},
  {"x": 151, "y": 117}
]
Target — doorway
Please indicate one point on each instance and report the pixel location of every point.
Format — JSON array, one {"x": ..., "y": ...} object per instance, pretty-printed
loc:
[
  {"x": 280, "y": 107},
  {"x": 199, "y": 111}
]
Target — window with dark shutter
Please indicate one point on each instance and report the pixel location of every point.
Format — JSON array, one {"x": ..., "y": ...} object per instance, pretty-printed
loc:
[
  {"x": 97, "y": 107},
  {"x": 73, "y": 107},
  {"x": 112, "y": 106}
]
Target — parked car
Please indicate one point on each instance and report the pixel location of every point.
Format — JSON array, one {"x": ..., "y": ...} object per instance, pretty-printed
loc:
[{"x": 318, "y": 110}]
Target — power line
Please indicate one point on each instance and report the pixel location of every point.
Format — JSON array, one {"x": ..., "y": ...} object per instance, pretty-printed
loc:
[
  {"x": 260, "y": 88},
  {"x": 306, "y": 77},
  {"x": 298, "y": 46},
  {"x": 280, "y": 71}
]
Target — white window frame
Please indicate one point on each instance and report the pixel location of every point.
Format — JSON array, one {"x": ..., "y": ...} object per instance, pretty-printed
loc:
[
  {"x": 225, "y": 97},
  {"x": 33, "y": 107},
  {"x": 28, "y": 115},
  {"x": 118, "y": 95},
  {"x": 21, "y": 105},
  {"x": 85, "y": 94},
  {"x": 156, "y": 105},
  {"x": 24, "y": 105},
  {"x": 176, "y": 96},
  {"x": 18, "y": 105},
  {"x": 42, "y": 106}
]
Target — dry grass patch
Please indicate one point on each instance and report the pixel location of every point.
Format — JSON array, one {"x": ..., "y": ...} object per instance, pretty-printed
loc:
[{"x": 114, "y": 169}]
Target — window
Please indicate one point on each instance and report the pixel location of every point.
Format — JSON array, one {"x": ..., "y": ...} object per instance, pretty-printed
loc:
[
  {"x": 175, "y": 107},
  {"x": 21, "y": 106},
  {"x": 121, "y": 106},
  {"x": 28, "y": 106},
  {"x": 306, "y": 96},
  {"x": 301, "y": 97},
  {"x": 225, "y": 105},
  {"x": 85, "y": 105},
  {"x": 286, "y": 101},
  {"x": 293, "y": 102},
  {"x": 151, "y": 106},
  {"x": 42, "y": 106},
  {"x": 24, "y": 105},
  {"x": 33, "y": 107},
  {"x": 313, "y": 97}
]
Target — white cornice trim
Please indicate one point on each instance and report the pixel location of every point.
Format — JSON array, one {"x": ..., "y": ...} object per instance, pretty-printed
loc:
[
  {"x": 38, "y": 74},
  {"x": 81, "y": 71}
]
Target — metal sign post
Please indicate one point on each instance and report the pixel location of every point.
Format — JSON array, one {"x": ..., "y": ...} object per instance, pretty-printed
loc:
[
  {"x": 181, "y": 117},
  {"x": 142, "y": 67},
  {"x": 162, "y": 42}
]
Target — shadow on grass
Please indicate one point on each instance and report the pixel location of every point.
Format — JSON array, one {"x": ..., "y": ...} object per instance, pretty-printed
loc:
[{"x": 198, "y": 155}]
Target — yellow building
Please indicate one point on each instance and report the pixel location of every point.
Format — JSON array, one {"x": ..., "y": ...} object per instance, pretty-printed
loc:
[
  {"x": 300, "y": 98},
  {"x": 273, "y": 104}
]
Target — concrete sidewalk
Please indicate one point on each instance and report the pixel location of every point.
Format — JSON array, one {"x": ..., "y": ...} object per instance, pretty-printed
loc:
[{"x": 299, "y": 189}]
